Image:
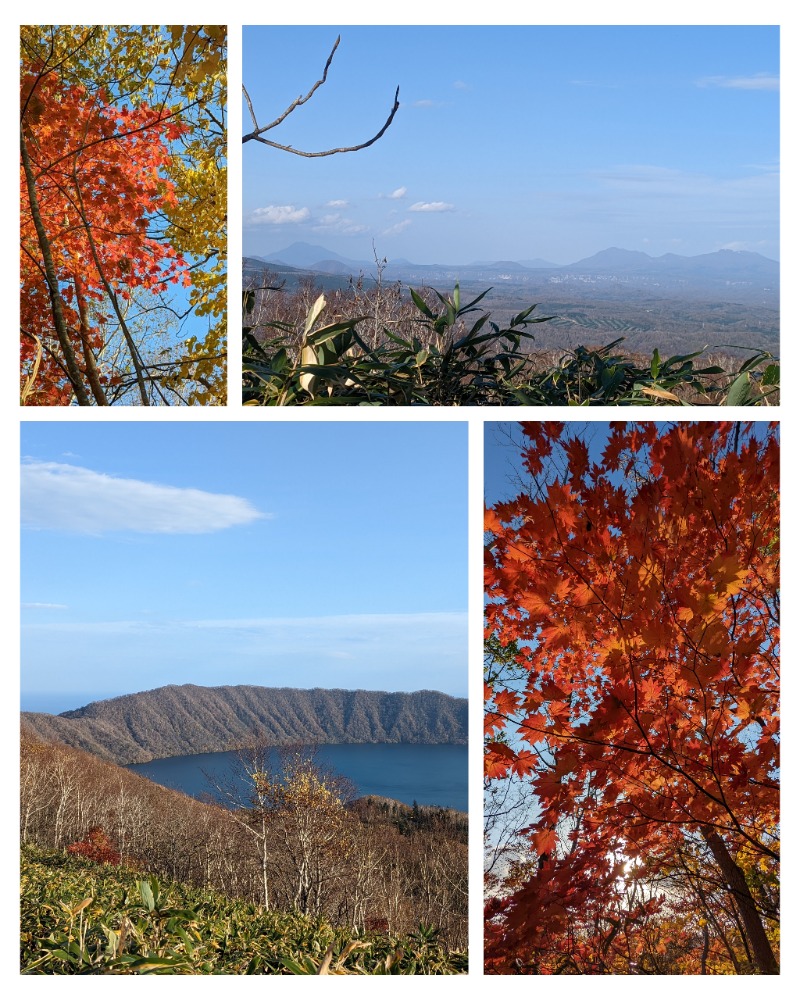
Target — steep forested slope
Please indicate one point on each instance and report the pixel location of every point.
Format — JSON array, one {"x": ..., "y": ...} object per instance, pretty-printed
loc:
[
  {"x": 187, "y": 719},
  {"x": 371, "y": 862}
]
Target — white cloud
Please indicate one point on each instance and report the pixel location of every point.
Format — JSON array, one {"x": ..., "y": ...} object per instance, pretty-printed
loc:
[
  {"x": 398, "y": 193},
  {"x": 336, "y": 203},
  {"x": 759, "y": 81},
  {"x": 73, "y": 499},
  {"x": 397, "y": 228},
  {"x": 336, "y": 223},
  {"x": 757, "y": 246},
  {"x": 431, "y": 206},
  {"x": 423, "y": 620},
  {"x": 277, "y": 215},
  {"x": 42, "y": 606}
]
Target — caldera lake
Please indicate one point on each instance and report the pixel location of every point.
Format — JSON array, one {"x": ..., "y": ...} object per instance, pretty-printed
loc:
[{"x": 430, "y": 775}]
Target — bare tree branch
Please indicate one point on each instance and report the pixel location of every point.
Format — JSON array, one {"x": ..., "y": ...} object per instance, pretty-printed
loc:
[
  {"x": 258, "y": 132},
  {"x": 295, "y": 104}
]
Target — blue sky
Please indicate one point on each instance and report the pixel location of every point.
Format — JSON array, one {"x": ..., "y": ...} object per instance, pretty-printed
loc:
[
  {"x": 516, "y": 142},
  {"x": 289, "y": 554},
  {"x": 504, "y": 474}
]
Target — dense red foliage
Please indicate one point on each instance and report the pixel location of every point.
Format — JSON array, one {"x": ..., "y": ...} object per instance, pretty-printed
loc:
[
  {"x": 639, "y": 594},
  {"x": 96, "y": 847}
]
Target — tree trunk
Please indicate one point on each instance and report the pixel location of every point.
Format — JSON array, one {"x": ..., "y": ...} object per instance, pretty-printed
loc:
[
  {"x": 733, "y": 875},
  {"x": 73, "y": 372}
]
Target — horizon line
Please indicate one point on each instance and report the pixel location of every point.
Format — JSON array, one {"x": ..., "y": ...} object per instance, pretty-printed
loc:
[{"x": 546, "y": 265}]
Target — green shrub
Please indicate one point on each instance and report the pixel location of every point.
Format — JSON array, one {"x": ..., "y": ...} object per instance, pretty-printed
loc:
[
  {"x": 452, "y": 360},
  {"x": 82, "y": 918}
]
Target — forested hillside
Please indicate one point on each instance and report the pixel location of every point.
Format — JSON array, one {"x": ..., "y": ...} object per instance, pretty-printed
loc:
[
  {"x": 188, "y": 719},
  {"x": 296, "y": 844}
]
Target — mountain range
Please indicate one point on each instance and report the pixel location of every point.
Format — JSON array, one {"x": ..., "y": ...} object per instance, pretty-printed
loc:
[
  {"x": 188, "y": 719},
  {"x": 731, "y": 275}
]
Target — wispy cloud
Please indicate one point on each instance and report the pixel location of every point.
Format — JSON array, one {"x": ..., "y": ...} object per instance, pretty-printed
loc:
[
  {"x": 431, "y": 206},
  {"x": 759, "y": 81},
  {"x": 366, "y": 637},
  {"x": 648, "y": 180},
  {"x": 336, "y": 223},
  {"x": 398, "y": 193},
  {"x": 354, "y": 625},
  {"x": 336, "y": 203},
  {"x": 397, "y": 228},
  {"x": 277, "y": 215},
  {"x": 73, "y": 499},
  {"x": 757, "y": 246},
  {"x": 42, "y": 606},
  {"x": 460, "y": 85}
]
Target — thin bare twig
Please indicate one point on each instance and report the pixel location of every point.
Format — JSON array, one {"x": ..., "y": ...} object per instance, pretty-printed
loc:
[{"x": 258, "y": 132}]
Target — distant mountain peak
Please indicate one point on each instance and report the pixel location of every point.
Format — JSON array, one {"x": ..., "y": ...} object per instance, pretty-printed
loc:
[
  {"x": 614, "y": 257},
  {"x": 309, "y": 254}
]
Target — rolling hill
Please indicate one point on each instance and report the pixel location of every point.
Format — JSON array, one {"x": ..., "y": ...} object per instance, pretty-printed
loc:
[{"x": 187, "y": 719}]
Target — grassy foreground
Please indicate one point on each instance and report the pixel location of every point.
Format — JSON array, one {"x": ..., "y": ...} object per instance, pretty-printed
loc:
[{"x": 78, "y": 917}]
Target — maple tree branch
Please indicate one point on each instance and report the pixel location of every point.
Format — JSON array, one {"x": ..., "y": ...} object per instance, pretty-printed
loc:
[
  {"x": 658, "y": 724},
  {"x": 46, "y": 67},
  {"x": 30, "y": 379},
  {"x": 744, "y": 900},
  {"x": 116, "y": 136},
  {"x": 73, "y": 372},
  {"x": 133, "y": 350},
  {"x": 258, "y": 131}
]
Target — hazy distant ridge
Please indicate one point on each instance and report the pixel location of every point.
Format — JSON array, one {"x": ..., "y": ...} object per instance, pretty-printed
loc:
[
  {"x": 614, "y": 259},
  {"x": 186, "y": 719},
  {"x": 727, "y": 275}
]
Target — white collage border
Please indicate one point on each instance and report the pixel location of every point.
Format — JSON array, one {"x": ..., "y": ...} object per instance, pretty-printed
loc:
[{"x": 413, "y": 12}]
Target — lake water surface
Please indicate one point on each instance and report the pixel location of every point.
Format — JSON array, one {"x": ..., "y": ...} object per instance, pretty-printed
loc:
[{"x": 428, "y": 775}]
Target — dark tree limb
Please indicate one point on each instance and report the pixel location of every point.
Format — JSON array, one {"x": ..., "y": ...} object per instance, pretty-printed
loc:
[
  {"x": 133, "y": 350},
  {"x": 258, "y": 132},
  {"x": 736, "y": 882},
  {"x": 295, "y": 104},
  {"x": 73, "y": 371}
]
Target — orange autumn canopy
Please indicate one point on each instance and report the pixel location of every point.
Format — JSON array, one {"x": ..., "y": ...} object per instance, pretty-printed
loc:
[
  {"x": 637, "y": 591},
  {"x": 98, "y": 180}
]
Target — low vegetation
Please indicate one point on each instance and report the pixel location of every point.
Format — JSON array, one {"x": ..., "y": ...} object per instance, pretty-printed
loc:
[
  {"x": 84, "y": 917},
  {"x": 290, "y": 876},
  {"x": 378, "y": 347}
]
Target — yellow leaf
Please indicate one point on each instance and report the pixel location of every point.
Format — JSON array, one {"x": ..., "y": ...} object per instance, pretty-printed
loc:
[{"x": 660, "y": 393}]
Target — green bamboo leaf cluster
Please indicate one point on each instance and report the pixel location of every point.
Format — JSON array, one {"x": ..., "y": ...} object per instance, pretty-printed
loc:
[
  {"x": 460, "y": 361},
  {"x": 451, "y": 362},
  {"x": 82, "y": 918}
]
